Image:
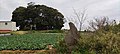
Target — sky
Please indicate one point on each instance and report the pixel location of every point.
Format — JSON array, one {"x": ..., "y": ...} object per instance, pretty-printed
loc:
[{"x": 94, "y": 8}]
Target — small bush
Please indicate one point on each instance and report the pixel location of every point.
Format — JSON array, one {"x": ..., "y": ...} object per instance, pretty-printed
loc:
[{"x": 61, "y": 47}]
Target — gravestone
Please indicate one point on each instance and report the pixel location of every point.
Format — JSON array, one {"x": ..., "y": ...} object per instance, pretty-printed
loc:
[{"x": 72, "y": 37}]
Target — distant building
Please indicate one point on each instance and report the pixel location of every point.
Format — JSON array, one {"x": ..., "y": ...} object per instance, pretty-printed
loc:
[{"x": 7, "y": 26}]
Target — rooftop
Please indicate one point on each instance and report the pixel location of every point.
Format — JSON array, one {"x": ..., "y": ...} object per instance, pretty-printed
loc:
[{"x": 6, "y": 21}]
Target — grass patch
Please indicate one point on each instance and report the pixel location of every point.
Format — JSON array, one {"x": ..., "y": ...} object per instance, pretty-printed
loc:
[{"x": 51, "y": 31}]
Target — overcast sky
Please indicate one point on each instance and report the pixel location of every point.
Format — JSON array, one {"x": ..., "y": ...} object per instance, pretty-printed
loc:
[{"x": 95, "y": 8}]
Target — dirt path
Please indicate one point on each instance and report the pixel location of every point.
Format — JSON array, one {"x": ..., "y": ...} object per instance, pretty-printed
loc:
[{"x": 52, "y": 51}]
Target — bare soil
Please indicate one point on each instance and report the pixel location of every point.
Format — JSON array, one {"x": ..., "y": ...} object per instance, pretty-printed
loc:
[{"x": 51, "y": 51}]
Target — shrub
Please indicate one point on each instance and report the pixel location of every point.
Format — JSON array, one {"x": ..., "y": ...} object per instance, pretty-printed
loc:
[{"x": 105, "y": 44}]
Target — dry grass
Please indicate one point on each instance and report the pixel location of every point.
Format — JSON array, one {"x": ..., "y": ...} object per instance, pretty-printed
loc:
[{"x": 19, "y": 32}]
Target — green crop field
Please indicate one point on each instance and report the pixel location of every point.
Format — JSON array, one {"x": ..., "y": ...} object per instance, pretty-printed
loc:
[{"x": 34, "y": 41}]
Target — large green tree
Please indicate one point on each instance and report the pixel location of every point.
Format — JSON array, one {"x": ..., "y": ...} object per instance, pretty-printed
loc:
[{"x": 40, "y": 17}]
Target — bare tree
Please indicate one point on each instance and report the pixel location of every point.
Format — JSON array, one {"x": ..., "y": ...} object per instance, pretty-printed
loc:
[
  {"x": 98, "y": 23},
  {"x": 81, "y": 17}
]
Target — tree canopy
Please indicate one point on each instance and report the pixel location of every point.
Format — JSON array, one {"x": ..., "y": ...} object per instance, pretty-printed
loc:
[{"x": 39, "y": 17}]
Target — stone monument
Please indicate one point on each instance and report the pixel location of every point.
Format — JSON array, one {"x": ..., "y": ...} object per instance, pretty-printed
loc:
[{"x": 72, "y": 37}]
